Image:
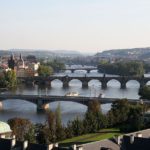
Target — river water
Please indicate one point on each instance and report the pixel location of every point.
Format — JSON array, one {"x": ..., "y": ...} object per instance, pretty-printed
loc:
[{"x": 69, "y": 110}]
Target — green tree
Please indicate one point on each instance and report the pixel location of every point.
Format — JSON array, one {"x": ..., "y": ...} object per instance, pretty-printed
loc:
[
  {"x": 56, "y": 65},
  {"x": 51, "y": 123},
  {"x": 77, "y": 127},
  {"x": 59, "y": 131},
  {"x": 45, "y": 71},
  {"x": 120, "y": 110},
  {"x": 132, "y": 68},
  {"x": 11, "y": 79},
  {"x": 30, "y": 135},
  {"x": 144, "y": 92},
  {"x": 8, "y": 79},
  {"x": 94, "y": 119}
]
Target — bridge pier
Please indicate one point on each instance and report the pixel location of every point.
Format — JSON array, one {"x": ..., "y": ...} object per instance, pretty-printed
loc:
[
  {"x": 48, "y": 83},
  {"x": 65, "y": 84},
  {"x": 42, "y": 107},
  {"x": 123, "y": 85},
  {"x": 84, "y": 84},
  {"x": 88, "y": 71},
  {"x": 142, "y": 84},
  {"x": 1, "y": 105},
  {"x": 72, "y": 71},
  {"x": 104, "y": 84}
]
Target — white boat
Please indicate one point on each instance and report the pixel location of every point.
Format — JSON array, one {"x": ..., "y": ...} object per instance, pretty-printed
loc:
[{"x": 72, "y": 94}]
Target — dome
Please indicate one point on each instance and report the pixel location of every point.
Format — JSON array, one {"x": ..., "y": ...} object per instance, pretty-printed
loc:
[{"x": 4, "y": 127}]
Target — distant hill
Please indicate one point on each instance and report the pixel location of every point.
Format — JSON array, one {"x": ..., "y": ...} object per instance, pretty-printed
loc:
[
  {"x": 44, "y": 53},
  {"x": 135, "y": 53}
]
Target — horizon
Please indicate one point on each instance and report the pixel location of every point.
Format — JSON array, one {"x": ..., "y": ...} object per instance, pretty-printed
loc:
[
  {"x": 65, "y": 50},
  {"x": 85, "y": 26}
]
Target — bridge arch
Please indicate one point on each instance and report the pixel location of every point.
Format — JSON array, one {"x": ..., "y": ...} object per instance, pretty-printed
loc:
[
  {"x": 113, "y": 83},
  {"x": 56, "y": 82},
  {"x": 75, "y": 82},
  {"x": 17, "y": 99},
  {"x": 132, "y": 84},
  {"x": 94, "y": 82},
  {"x": 147, "y": 82}
]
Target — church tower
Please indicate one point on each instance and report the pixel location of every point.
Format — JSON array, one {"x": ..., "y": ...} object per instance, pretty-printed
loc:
[{"x": 11, "y": 62}]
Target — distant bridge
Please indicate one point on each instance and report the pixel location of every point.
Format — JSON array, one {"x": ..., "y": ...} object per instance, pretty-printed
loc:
[
  {"x": 88, "y": 69},
  {"x": 43, "y": 101},
  {"x": 84, "y": 80}
]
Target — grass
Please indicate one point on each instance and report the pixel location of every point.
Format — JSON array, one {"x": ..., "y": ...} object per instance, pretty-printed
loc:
[{"x": 86, "y": 138}]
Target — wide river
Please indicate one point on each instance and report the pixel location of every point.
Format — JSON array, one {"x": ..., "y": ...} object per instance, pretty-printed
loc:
[{"x": 69, "y": 110}]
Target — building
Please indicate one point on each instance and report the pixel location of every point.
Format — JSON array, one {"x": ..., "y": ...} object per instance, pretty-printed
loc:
[
  {"x": 24, "y": 68},
  {"x": 11, "y": 62},
  {"x": 5, "y": 131}
]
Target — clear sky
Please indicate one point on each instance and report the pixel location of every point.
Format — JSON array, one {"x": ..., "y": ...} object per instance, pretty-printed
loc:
[{"x": 84, "y": 25}]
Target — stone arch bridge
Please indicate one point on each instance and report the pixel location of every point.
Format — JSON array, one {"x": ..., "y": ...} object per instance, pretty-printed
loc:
[
  {"x": 84, "y": 80},
  {"x": 43, "y": 101}
]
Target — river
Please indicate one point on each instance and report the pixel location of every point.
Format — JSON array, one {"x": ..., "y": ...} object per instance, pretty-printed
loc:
[{"x": 69, "y": 110}]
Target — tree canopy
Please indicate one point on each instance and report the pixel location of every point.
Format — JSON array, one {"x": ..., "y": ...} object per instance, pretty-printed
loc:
[
  {"x": 132, "y": 68},
  {"x": 45, "y": 71},
  {"x": 8, "y": 79}
]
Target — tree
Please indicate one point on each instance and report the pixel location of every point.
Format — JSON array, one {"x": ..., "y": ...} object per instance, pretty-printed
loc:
[
  {"x": 144, "y": 92},
  {"x": 120, "y": 110},
  {"x": 94, "y": 119},
  {"x": 77, "y": 127},
  {"x": 11, "y": 79},
  {"x": 59, "y": 131},
  {"x": 94, "y": 106},
  {"x": 8, "y": 79},
  {"x": 21, "y": 128},
  {"x": 132, "y": 68},
  {"x": 30, "y": 135},
  {"x": 45, "y": 71},
  {"x": 51, "y": 124},
  {"x": 56, "y": 65}
]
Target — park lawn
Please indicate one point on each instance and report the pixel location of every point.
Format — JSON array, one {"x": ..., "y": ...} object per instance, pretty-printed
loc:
[{"x": 103, "y": 134}]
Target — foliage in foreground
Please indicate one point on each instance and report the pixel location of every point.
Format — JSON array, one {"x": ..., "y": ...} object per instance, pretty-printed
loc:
[{"x": 127, "y": 117}]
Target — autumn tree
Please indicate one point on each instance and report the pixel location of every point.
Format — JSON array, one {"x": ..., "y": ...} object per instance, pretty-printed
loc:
[{"x": 21, "y": 127}]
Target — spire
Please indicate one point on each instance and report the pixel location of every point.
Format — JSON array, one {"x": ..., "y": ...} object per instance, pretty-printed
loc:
[
  {"x": 20, "y": 56},
  {"x": 12, "y": 56}
]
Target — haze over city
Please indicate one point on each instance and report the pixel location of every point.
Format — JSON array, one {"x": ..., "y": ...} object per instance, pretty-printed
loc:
[{"x": 87, "y": 26}]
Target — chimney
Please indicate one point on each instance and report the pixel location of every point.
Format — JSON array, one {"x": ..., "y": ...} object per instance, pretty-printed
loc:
[
  {"x": 50, "y": 147},
  {"x": 56, "y": 145},
  {"x": 74, "y": 147},
  {"x": 138, "y": 134},
  {"x": 13, "y": 142},
  {"x": 25, "y": 145},
  {"x": 131, "y": 139},
  {"x": 118, "y": 140}
]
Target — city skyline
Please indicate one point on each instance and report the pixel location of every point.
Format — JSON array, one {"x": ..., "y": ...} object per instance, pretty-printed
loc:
[{"x": 85, "y": 26}]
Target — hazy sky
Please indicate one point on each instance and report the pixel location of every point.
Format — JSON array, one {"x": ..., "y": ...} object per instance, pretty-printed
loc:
[{"x": 85, "y": 25}]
